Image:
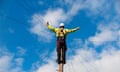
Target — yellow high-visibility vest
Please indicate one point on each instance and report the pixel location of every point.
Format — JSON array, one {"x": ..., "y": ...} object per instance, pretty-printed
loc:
[{"x": 59, "y": 33}]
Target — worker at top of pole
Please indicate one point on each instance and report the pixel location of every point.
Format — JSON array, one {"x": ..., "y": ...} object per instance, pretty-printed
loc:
[{"x": 61, "y": 33}]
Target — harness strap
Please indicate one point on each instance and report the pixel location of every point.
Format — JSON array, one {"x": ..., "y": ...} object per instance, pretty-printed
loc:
[{"x": 61, "y": 32}]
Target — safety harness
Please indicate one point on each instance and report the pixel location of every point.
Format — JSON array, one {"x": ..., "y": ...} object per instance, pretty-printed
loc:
[
  {"x": 61, "y": 45},
  {"x": 61, "y": 38}
]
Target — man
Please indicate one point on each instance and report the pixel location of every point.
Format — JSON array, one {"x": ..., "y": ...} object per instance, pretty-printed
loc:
[{"x": 61, "y": 34}]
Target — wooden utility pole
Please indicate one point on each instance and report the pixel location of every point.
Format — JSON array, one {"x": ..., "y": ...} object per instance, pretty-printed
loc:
[
  {"x": 61, "y": 63},
  {"x": 61, "y": 67}
]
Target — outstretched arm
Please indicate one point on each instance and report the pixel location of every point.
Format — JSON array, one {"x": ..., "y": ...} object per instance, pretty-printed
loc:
[
  {"x": 72, "y": 30},
  {"x": 50, "y": 27}
]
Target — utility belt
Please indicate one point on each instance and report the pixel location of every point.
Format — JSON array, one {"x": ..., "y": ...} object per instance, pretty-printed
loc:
[{"x": 60, "y": 38}]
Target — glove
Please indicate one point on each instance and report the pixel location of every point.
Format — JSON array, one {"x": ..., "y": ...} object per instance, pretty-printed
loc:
[
  {"x": 78, "y": 28},
  {"x": 47, "y": 23}
]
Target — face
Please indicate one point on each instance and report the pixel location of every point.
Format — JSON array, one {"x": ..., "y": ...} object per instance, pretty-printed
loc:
[{"x": 62, "y": 28}]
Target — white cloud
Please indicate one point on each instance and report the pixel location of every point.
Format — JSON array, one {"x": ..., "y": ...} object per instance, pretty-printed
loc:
[
  {"x": 108, "y": 33},
  {"x": 4, "y": 63},
  {"x": 38, "y": 28},
  {"x": 108, "y": 10},
  {"x": 74, "y": 7},
  {"x": 105, "y": 36},
  {"x": 109, "y": 62},
  {"x": 4, "y": 51},
  {"x": 51, "y": 67},
  {"x": 54, "y": 16},
  {"x": 19, "y": 61},
  {"x": 21, "y": 51},
  {"x": 84, "y": 60},
  {"x": 38, "y": 23},
  {"x": 87, "y": 59},
  {"x": 117, "y": 6},
  {"x": 8, "y": 63},
  {"x": 117, "y": 11}
]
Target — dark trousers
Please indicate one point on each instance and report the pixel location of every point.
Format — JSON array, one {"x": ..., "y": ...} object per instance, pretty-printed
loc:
[{"x": 61, "y": 45}]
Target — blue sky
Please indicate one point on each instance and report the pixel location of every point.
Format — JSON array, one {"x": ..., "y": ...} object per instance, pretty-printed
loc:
[{"x": 26, "y": 45}]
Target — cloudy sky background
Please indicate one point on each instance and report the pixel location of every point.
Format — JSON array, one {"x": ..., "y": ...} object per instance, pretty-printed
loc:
[{"x": 26, "y": 45}]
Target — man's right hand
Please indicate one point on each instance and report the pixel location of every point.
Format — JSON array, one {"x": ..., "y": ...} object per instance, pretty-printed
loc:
[
  {"x": 47, "y": 23},
  {"x": 78, "y": 28}
]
